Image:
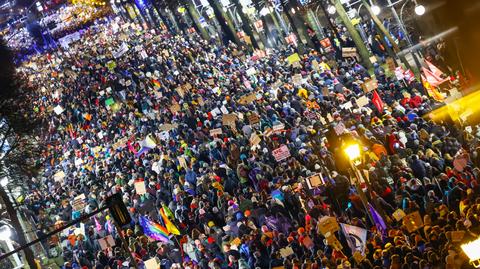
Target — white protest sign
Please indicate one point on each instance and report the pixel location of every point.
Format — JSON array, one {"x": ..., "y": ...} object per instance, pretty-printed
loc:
[
  {"x": 78, "y": 203},
  {"x": 106, "y": 242},
  {"x": 140, "y": 187},
  {"x": 58, "y": 110},
  {"x": 281, "y": 153}
]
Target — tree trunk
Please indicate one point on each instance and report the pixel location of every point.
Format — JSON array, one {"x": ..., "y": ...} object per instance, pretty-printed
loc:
[
  {"x": 246, "y": 26},
  {"x": 29, "y": 257},
  {"x": 224, "y": 21},
  {"x": 386, "y": 33},
  {"x": 362, "y": 49}
]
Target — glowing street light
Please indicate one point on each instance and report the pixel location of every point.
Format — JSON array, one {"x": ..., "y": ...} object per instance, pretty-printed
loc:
[
  {"x": 352, "y": 151},
  {"x": 419, "y": 10},
  {"x": 331, "y": 10},
  {"x": 376, "y": 10},
  {"x": 472, "y": 250}
]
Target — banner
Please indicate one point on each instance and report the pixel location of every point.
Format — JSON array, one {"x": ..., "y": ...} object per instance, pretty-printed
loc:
[
  {"x": 281, "y": 153},
  {"x": 356, "y": 237}
]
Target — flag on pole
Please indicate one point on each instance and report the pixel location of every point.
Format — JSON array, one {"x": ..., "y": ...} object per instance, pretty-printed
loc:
[
  {"x": 171, "y": 228},
  {"x": 436, "y": 72},
  {"x": 154, "y": 230},
  {"x": 356, "y": 237},
  {"x": 431, "y": 78},
  {"x": 168, "y": 212},
  {"x": 432, "y": 91},
  {"x": 97, "y": 224},
  {"x": 377, "y": 101},
  {"x": 156, "y": 83},
  {"x": 378, "y": 220}
]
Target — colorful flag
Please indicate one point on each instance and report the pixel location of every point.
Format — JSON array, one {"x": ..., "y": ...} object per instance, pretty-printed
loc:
[
  {"x": 356, "y": 237},
  {"x": 436, "y": 72},
  {"x": 97, "y": 224},
  {"x": 154, "y": 230},
  {"x": 168, "y": 212},
  {"x": 378, "y": 220},
  {"x": 432, "y": 91},
  {"x": 171, "y": 228},
  {"x": 156, "y": 83},
  {"x": 377, "y": 101},
  {"x": 431, "y": 78}
]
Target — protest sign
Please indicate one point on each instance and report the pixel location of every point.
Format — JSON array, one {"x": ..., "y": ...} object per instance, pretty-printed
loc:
[
  {"x": 140, "y": 187},
  {"x": 182, "y": 162},
  {"x": 78, "y": 203},
  {"x": 229, "y": 119},
  {"x": 174, "y": 108},
  {"x": 314, "y": 181},
  {"x": 254, "y": 139},
  {"x": 346, "y": 105},
  {"x": 455, "y": 236},
  {"x": 180, "y": 91},
  {"x": 398, "y": 215},
  {"x": 168, "y": 126},
  {"x": 247, "y": 99},
  {"x": 370, "y": 85},
  {"x": 286, "y": 252},
  {"x": 349, "y": 52},
  {"x": 109, "y": 101},
  {"x": 151, "y": 264},
  {"x": 293, "y": 58},
  {"x": 362, "y": 101},
  {"x": 251, "y": 71},
  {"x": 253, "y": 119},
  {"x": 236, "y": 242},
  {"x": 59, "y": 176},
  {"x": 281, "y": 153},
  {"x": 211, "y": 82},
  {"x": 106, "y": 242},
  {"x": 339, "y": 128},
  {"x": 297, "y": 79},
  {"x": 391, "y": 64},
  {"x": 217, "y": 131},
  {"x": 315, "y": 65},
  {"x": 413, "y": 221},
  {"x": 328, "y": 225},
  {"x": 278, "y": 127},
  {"x": 58, "y": 110},
  {"x": 121, "y": 51}
]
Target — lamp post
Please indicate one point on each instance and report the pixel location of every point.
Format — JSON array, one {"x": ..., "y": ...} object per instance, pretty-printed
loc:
[
  {"x": 472, "y": 250},
  {"x": 5, "y": 234},
  {"x": 353, "y": 153}
]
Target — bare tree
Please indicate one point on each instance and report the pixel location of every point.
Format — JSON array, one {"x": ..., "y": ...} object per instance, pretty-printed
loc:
[{"x": 18, "y": 146}]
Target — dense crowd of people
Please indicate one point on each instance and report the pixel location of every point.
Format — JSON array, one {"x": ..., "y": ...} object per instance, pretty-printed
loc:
[{"x": 227, "y": 145}]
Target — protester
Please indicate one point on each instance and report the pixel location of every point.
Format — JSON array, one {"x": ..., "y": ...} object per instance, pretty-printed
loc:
[{"x": 219, "y": 150}]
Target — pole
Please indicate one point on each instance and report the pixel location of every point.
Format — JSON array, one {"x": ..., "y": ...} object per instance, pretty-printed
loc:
[
  {"x": 362, "y": 48},
  {"x": 75, "y": 222},
  {"x": 125, "y": 244},
  {"x": 386, "y": 34},
  {"x": 404, "y": 30}
]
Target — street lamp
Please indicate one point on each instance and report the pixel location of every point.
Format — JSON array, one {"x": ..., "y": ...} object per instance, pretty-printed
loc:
[
  {"x": 353, "y": 153},
  {"x": 331, "y": 9},
  {"x": 472, "y": 250},
  {"x": 5, "y": 234},
  {"x": 376, "y": 10},
  {"x": 419, "y": 10}
]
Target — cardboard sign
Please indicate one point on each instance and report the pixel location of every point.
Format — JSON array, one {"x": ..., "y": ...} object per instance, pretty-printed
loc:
[
  {"x": 229, "y": 119},
  {"x": 328, "y": 225},
  {"x": 168, "y": 126},
  {"x": 314, "y": 181},
  {"x": 247, "y": 99},
  {"x": 456, "y": 236},
  {"x": 187, "y": 86},
  {"x": 180, "y": 91},
  {"x": 59, "y": 176},
  {"x": 175, "y": 108},
  {"x": 391, "y": 64},
  {"x": 413, "y": 221},
  {"x": 254, "y": 139},
  {"x": 253, "y": 119},
  {"x": 297, "y": 79},
  {"x": 349, "y": 52},
  {"x": 334, "y": 243},
  {"x": 140, "y": 187},
  {"x": 362, "y": 101},
  {"x": 286, "y": 252},
  {"x": 58, "y": 110},
  {"x": 78, "y": 203},
  {"x": 217, "y": 131},
  {"x": 358, "y": 257},
  {"x": 151, "y": 264},
  {"x": 370, "y": 85},
  {"x": 339, "y": 128},
  {"x": 281, "y": 153},
  {"x": 106, "y": 242},
  {"x": 398, "y": 215},
  {"x": 211, "y": 82},
  {"x": 278, "y": 127},
  {"x": 293, "y": 58}
]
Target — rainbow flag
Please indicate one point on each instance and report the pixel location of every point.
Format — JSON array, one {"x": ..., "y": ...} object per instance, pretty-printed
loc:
[
  {"x": 171, "y": 228},
  {"x": 154, "y": 230},
  {"x": 156, "y": 83}
]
